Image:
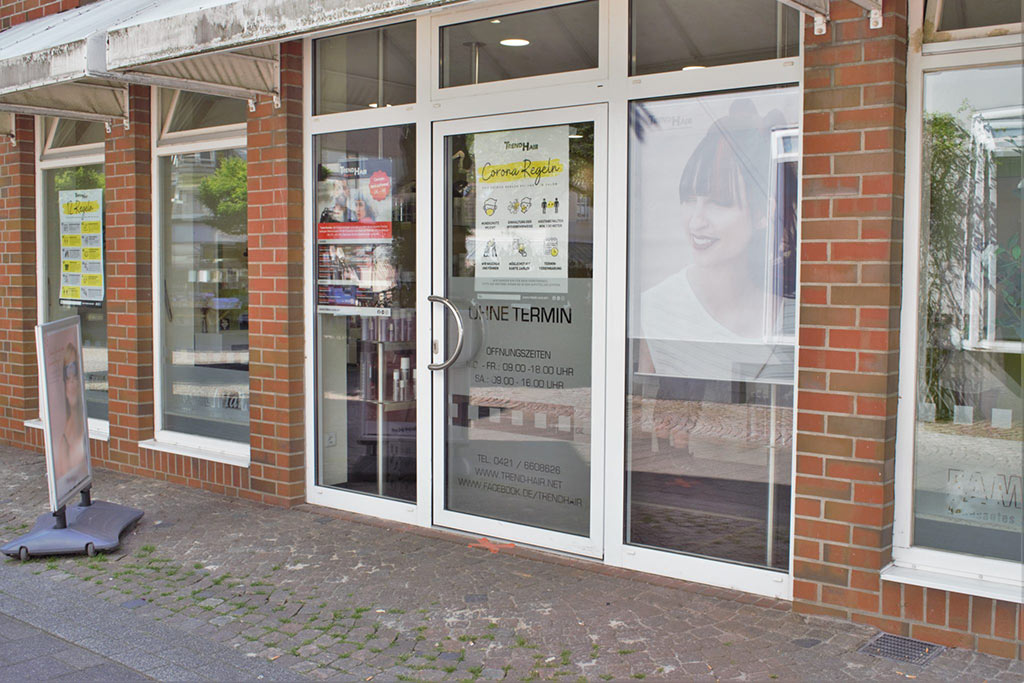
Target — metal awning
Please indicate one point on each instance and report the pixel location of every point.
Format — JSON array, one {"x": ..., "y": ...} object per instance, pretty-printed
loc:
[
  {"x": 184, "y": 28},
  {"x": 45, "y": 63},
  {"x": 57, "y": 65}
]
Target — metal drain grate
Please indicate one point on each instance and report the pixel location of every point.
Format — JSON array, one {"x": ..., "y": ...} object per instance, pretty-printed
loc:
[{"x": 900, "y": 649}]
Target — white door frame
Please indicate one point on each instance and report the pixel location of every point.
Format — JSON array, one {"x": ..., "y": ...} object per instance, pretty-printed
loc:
[{"x": 593, "y": 544}]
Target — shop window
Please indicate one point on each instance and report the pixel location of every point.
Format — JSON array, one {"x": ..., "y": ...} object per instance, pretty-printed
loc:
[
  {"x": 72, "y": 133},
  {"x": 203, "y": 294},
  {"x": 712, "y": 238},
  {"x": 967, "y": 439},
  {"x": 191, "y": 111},
  {"x": 365, "y": 302},
  {"x": 73, "y": 230},
  {"x": 669, "y": 35},
  {"x": 545, "y": 41},
  {"x": 366, "y": 69},
  {"x": 960, "y": 14}
]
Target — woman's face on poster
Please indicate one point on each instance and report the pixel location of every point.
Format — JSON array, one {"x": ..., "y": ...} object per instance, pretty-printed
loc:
[
  {"x": 72, "y": 382},
  {"x": 719, "y": 232},
  {"x": 360, "y": 209}
]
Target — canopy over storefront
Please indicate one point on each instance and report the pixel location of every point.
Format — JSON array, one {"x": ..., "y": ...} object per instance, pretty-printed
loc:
[{"x": 76, "y": 64}]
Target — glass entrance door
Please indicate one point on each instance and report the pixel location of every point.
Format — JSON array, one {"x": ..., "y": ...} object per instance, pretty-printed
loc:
[{"x": 519, "y": 294}]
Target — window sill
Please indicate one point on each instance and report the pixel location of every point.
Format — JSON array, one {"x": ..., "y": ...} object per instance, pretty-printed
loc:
[
  {"x": 99, "y": 430},
  {"x": 215, "y": 451},
  {"x": 914, "y": 576}
]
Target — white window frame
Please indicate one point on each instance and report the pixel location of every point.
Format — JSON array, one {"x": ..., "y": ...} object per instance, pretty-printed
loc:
[
  {"x": 183, "y": 142},
  {"x": 921, "y": 566},
  {"x": 50, "y": 158},
  {"x": 610, "y": 84}
]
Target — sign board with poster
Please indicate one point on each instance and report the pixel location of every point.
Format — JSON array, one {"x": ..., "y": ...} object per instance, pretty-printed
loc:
[
  {"x": 65, "y": 424},
  {"x": 356, "y": 271},
  {"x": 522, "y": 207},
  {"x": 81, "y": 247},
  {"x": 90, "y": 526}
]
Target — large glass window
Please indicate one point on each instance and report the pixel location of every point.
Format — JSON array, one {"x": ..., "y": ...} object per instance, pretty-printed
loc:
[
  {"x": 668, "y": 35},
  {"x": 968, "y": 437},
  {"x": 711, "y": 301},
  {"x": 365, "y": 260},
  {"x": 544, "y": 41},
  {"x": 73, "y": 233},
  {"x": 204, "y": 294},
  {"x": 366, "y": 69}
]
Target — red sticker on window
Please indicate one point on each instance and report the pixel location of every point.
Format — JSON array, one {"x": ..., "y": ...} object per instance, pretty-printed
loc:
[{"x": 380, "y": 185}]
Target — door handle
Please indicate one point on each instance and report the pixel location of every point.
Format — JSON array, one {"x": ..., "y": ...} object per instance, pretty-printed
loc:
[{"x": 459, "y": 326}]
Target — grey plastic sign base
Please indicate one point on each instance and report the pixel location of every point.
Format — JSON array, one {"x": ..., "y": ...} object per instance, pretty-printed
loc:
[{"x": 90, "y": 529}]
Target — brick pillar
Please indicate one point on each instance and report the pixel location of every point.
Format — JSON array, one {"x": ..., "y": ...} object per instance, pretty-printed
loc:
[
  {"x": 129, "y": 262},
  {"x": 19, "y": 386},
  {"x": 854, "y": 115},
  {"x": 276, "y": 352}
]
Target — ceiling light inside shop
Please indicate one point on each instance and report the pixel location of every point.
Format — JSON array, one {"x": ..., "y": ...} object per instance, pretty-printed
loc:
[
  {"x": 575, "y": 136},
  {"x": 515, "y": 42},
  {"x": 695, "y": 67},
  {"x": 495, "y": 21},
  {"x": 372, "y": 105}
]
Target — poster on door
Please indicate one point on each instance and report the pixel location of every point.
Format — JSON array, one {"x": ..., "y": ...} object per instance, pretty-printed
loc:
[
  {"x": 521, "y": 235},
  {"x": 81, "y": 247},
  {"x": 356, "y": 273}
]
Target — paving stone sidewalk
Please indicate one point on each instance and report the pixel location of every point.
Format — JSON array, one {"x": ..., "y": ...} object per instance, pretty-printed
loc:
[{"x": 209, "y": 581}]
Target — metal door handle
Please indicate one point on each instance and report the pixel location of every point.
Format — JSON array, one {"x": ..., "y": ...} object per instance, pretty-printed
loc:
[{"x": 459, "y": 326}]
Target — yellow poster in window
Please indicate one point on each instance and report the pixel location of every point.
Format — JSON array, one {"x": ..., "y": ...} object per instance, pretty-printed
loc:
[{"x": 81, "y": 240}]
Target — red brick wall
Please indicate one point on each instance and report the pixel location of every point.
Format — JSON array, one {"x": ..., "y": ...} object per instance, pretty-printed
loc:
[
  {"x": 17, "y": 11},
  {"x": 854, "y": 136},
  {"x": 129, "y": 282},
  {"x": 276, "y": 351},
  {"x": 19, "y": 387}
]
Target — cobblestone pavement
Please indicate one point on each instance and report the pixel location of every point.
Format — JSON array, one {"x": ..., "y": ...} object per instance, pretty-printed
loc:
[{"x": 310, "y": 593}]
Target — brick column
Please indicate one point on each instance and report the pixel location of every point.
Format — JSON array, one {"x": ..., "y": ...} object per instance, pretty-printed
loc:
[
  {"x": 854, "y": 115},
  {"x": 276, "y": 352},
  {"x": 19, "y": 386},
  {"x": 129, "y": 262}
]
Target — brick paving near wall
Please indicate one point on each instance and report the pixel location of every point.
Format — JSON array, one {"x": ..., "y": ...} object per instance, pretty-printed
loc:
[{"x": 319, "y": 594}]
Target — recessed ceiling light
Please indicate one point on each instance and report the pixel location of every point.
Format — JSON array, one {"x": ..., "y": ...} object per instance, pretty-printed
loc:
[
  {"x": 693, "y": 68},
  {"x": 373, "y": 105},
  {"x": 575, "y": 136},
  {"x": 515, "y": 42},
  {"x": 495, "y": 21}
]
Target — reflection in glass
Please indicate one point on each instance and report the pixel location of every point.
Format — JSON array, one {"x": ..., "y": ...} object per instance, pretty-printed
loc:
[
  {"x": 668, "y": 35},
  {"x": 520, "y": 270},
  {"x": 185, "y": 110},
  {"x": 973, "y": 14},
  {"x": 544, "y": 41},
  {"x": 94, "y": 319},
  {"x": 968, "y": 446},
  {"x": 366, "y": 69},
  {"x": 712, "y": 283},
  {"x": 72, "y": 132},
  {"x": 365, "y": 245},
  {"x": 205, "y": 294}
]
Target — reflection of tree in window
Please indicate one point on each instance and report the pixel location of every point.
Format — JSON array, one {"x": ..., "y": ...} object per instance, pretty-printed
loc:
[{"x": 225, "y": 194}]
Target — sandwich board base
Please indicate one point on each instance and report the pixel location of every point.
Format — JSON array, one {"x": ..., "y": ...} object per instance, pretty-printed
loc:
[{"x": 90, "y": 529}]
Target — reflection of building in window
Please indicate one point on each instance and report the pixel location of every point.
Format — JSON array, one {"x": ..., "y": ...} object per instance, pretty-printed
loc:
[
  {"x": 780, "y": 275},
  {"x": 992, "y": 232}
]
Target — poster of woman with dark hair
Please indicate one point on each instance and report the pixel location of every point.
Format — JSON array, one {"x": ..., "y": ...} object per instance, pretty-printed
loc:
[{"x": 713, "y": 237}]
